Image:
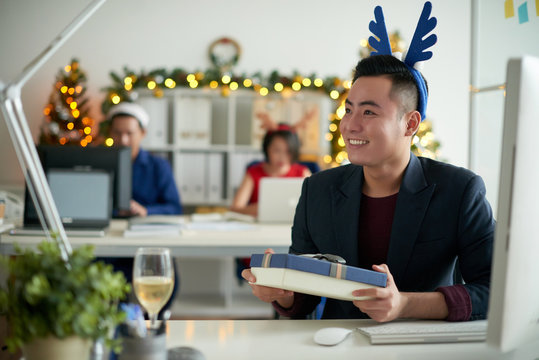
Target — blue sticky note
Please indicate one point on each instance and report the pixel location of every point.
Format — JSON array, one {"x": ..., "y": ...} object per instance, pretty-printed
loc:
[{"x": 523, "y": 13}]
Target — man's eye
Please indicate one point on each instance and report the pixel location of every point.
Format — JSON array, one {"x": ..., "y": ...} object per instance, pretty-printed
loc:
[
  {"x": 368, "y": 112},
  {"x": 347, "y": 110}
]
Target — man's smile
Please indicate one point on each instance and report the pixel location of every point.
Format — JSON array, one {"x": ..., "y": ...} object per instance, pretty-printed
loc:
[{"x": 357, "y": 142}]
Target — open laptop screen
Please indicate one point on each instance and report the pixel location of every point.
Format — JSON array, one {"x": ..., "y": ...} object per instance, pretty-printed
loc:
[
  {"x": 278, "y": 199},
  {"x": 83, "y": 198}
]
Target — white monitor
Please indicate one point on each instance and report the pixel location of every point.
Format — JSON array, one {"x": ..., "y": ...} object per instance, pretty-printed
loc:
[{"x": 514, "y": 297}]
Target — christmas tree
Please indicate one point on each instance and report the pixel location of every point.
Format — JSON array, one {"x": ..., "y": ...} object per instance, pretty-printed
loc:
[{"x": 66, "y": 115}]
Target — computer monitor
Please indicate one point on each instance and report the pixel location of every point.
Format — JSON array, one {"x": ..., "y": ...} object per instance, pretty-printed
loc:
[
  {"x": 514, "y": 297},
  {"x": 115, "y": 160},
  {"x": 83, "y": 199}
]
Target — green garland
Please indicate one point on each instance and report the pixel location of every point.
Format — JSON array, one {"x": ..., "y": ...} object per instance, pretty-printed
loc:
[
  {"x": 122, "y": 91},
  {"x": 125, "y": 86}
]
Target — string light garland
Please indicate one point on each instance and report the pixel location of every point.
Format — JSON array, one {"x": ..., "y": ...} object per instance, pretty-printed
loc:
[
  {"x": 66, "y": 115},
  {"x": 125, "y": 87}
]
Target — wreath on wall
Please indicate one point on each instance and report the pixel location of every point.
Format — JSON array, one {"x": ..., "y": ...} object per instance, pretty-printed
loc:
[{"x": 224, "y": 53}]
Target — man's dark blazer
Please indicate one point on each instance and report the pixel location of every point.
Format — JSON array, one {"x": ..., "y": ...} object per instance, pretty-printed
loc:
[{"x": 441, "y": 215}]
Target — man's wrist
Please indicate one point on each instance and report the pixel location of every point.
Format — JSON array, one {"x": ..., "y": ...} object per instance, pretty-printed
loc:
[
  {"x": 425, "y": 305},
  {"x": 286, "y": 302},
  {"x": 405, "y": 305}
]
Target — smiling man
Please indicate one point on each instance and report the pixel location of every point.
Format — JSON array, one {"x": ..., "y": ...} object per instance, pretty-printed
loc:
[{"x": 391, "y": 211}]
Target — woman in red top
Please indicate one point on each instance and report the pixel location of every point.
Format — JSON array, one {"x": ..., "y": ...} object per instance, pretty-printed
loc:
[{"x": 281, "y": 152}]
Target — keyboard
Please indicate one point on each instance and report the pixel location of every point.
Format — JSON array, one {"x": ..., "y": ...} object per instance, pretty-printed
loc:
[{"x": 408, "y": 332}]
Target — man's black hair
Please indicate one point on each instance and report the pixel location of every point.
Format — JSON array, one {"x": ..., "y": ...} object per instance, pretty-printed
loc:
[
  {"x": 402, "y": 80},
  {"x": 291, "y": 139}
]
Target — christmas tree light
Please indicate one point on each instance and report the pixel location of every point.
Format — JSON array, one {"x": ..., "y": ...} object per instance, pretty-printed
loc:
[{"x": 66, "y": 115}]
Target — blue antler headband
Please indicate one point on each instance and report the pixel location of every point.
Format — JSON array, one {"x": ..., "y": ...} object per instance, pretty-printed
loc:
[{"x": 416, "y": 51}]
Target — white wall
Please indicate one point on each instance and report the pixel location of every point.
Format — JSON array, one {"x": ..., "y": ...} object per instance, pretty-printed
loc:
[
  {"x": 305, "y": 35},
  {"x": 498, "y": 39}
]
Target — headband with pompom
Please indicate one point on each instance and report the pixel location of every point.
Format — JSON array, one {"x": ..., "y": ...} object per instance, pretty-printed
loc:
[{"x": 416, "y": 52}]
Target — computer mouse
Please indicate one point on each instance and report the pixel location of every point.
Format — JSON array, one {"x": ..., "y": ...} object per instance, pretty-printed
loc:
[
  {"x": 185, "y": 353},
  {"x": 331, "y": 336}
]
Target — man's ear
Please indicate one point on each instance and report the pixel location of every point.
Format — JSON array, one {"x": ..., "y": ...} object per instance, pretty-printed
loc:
[{"x": 413, "y": 119}]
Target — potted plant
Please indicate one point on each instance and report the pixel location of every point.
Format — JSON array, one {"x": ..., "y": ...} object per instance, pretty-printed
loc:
[{"x": 50, "y": 304}]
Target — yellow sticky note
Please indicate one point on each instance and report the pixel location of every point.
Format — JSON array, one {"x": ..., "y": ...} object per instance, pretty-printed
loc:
[
  {"x": 537, "y": 7},
  {"x": 510, "y": 8}
]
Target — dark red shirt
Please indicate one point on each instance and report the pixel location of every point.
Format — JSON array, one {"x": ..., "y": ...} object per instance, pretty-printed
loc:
[{"x": 375, "y": 222}]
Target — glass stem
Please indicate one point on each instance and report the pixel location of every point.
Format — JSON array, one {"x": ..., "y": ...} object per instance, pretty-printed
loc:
[{"x": 153, "y": 320}]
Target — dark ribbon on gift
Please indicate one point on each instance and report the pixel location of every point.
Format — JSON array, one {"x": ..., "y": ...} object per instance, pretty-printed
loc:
[
  {"x": 337, "y": 268},
  {"x": 328, "y": 257}
]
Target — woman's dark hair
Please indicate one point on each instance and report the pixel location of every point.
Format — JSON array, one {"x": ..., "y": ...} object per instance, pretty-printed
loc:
[
  {"x": 403, "y": 83},
  {"x": 291, "y": 139}
]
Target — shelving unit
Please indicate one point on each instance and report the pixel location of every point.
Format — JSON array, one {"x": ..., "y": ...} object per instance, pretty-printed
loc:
[{"x": 210, "y": 138}]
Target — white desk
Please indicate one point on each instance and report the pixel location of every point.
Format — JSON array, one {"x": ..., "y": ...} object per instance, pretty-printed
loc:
[
  {"x": 208, "y": 288},
  {"x": 206, "y": 243},
  {"x": 293, "y": 339}
]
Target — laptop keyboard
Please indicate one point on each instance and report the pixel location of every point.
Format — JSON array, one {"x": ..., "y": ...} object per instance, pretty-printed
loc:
[{"x": 69, "y": 232}]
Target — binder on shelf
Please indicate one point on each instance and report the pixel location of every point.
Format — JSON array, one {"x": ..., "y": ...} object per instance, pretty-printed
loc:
[
  {"x": 156, "y": 133},
  {"x": 192, "y": 121},
  {"x": 189, "y": 172},
  {"x": 238, "y": 167},
  {"x": 214, "y": 177}
]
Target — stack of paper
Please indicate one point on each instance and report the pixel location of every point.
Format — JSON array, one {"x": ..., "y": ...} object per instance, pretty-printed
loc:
[
  {"x": 222, "y": 217},
  {"x": 228, "y": 221},
  {"x": 155, "y": 225}
]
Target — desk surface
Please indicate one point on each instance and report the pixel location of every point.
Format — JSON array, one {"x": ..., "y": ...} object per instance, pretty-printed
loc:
[
  {"x": 293, "y": 339},
  {"x": 199, "y": 243}
]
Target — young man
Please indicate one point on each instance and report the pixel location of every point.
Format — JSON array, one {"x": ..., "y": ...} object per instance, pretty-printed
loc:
[
  {"x": 408, "y": 217},
  {"x": 154, "y": 189}
]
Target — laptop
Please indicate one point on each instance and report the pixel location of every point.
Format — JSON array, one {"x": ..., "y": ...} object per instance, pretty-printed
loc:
[
  {"x": 83, "y": 200},
  {"x": 277, "y": 199}
]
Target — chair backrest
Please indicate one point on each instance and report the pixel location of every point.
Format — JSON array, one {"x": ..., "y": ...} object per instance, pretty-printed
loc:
[{"x": 313, "y": 166}]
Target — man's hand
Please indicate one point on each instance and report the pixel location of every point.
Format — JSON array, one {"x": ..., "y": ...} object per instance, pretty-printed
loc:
[
  {"x": 285, "y": 298},
  {"x": 137, "y": 209},
  {"x": 387, "y": 303}
]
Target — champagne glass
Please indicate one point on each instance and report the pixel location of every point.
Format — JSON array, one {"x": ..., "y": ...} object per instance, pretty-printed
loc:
[{"x": 153, "y": 279}]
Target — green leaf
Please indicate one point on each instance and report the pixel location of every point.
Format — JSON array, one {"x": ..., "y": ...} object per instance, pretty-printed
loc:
[{"x": 42, "y": 297}]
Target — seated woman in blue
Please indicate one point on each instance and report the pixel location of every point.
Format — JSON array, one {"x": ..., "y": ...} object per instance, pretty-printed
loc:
[{"x": 154, "y": 189}]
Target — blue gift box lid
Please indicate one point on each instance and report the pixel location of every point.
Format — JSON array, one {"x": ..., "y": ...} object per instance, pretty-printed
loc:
[{"x": 320, "y": 267}]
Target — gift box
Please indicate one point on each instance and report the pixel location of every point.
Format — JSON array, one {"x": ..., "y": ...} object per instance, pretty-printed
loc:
[{"x": 313, "y": 276}]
